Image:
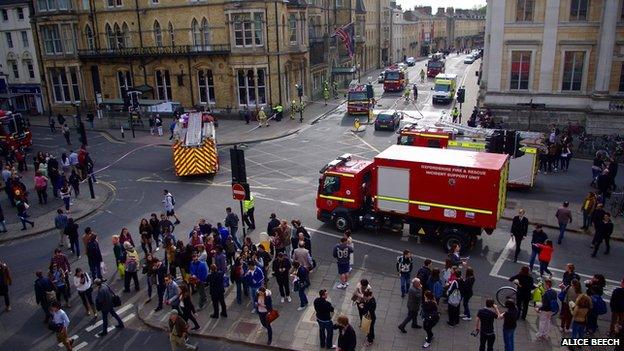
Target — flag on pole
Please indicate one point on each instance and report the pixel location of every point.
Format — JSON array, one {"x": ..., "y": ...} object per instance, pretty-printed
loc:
[{"x": 345, "y": 33}]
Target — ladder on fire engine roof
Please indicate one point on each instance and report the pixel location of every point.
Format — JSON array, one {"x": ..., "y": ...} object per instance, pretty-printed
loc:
[
  {"x": 194, "y": 130},
  {"x": 479, "y": 131}
]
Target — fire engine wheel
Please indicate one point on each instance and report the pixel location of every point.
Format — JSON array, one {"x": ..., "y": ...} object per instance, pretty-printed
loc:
[
  {"x": 342, "y": 221},
  {"x": 453, "y": 237}
]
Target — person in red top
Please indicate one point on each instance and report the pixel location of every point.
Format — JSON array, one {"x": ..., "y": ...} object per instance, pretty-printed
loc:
[{"x": 545, "y": 255}]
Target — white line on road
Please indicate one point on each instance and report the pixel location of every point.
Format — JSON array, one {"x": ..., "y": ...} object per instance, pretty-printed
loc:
[
  {"x": 502, "y": 258},
  {"x": 74, "y": 337},
  {"x": 80, "y": 346},
  {"x": 124, "y": 320},
  {"x": 98, "y": 323},
  {"x": 222, "y": 185},
  {"x": 365, "y": 142},
  {"x": 373, "y": 245}
]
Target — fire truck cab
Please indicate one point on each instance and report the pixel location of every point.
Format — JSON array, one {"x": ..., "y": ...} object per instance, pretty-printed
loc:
[
  {"x": 14, "y": 130},
  {"x": 358, "y": 99},
  {"x": 436, "y": 65},
  {"x": 395, "y": 79}
]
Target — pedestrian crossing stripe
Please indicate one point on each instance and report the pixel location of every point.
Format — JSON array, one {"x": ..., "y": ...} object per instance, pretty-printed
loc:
[
  {"x": 98, "y": 323},
  {"x": 195, "y": 160}
]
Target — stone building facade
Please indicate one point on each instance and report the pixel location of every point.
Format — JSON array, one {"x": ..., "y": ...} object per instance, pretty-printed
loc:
[{"x": 555, "y": 61}]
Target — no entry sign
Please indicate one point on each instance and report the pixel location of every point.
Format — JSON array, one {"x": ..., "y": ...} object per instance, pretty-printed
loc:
[{"x": 238, "y": 192}]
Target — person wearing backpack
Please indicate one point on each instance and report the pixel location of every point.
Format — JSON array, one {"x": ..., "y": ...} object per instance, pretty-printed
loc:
[
  {"x": 404, "y": 266},
  {"x": 131, "y": 267},
  {"x": 435, "y": 285},
  {"x": 549, "y": 307},
  {"x": 169, "y": 203},
  {"x": 454, "y": 301}
]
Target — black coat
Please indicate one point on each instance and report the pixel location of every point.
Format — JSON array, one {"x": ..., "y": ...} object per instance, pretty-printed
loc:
[
  {"x": 519, "y": 227},
  {"x": 347, "y": 341},
  {"x": 215, "y": 280}
]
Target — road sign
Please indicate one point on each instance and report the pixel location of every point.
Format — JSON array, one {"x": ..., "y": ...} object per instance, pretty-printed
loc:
[{"x": 238, "y": 192}]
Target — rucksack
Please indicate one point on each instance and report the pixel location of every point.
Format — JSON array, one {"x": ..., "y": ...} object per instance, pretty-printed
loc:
[
  {"x": 172, "y": 199},
  {"x": 599, "y": 305},
  {"x": 132, "y": 265},
  {"x": 455, "y": 297}
]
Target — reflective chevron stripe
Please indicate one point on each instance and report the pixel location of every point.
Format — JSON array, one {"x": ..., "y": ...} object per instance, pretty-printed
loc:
[{"x": 193, "y": 160}]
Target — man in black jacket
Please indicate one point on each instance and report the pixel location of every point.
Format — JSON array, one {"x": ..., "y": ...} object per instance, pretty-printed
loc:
[
  {"x": 217, "y": 292},
  {"x": 519, "y": 230},
  {"x": 604, "y": 229},
  {"x": 538, "y": 237},
  {"x": 414, "y": 298},
  {"x": 43, "y": 288},
  {"x": 160, "y": 271},
  {"x": 324, "y": 309}
]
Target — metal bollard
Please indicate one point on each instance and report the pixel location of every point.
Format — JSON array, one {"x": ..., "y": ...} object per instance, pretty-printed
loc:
[
  {"x": 122, "y": 133},
  {"x": 90, "y": 181}
]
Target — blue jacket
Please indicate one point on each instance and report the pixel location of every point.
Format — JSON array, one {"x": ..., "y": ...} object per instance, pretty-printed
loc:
[
  {"x": 60, "y": 221},
  {"x": 255, "y": 278},
  {"x": 200, "y": 270},
  {"x": 223, "y": 234}
]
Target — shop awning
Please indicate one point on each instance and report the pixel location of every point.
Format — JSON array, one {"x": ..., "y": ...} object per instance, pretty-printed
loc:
[{"x": 344, "y": 70}]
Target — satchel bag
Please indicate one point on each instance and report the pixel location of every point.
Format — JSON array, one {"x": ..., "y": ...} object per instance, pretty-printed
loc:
[
  {"x": 366, "y": 323},
  {"x": 272, "y": 315}
]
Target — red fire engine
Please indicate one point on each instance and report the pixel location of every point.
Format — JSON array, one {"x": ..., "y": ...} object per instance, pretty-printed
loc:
[
  {"x": 14, "y": 130},
  {"x": 395, "y": 79},
  {"x": 448, "y": 195},
  {"x": 436, "y": 65},
  {"x": 358, "y": 101}
]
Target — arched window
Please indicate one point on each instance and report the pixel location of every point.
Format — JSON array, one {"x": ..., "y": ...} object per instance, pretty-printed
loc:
[
  {"x": 110, "y": 36},
  {"x": 158, "y": 38},
  {"x": 124, "y": 79},
  {"x": 89, "y": 37},
  {"x": 195, "y": 33},
  {"x": 118, "y": 43},
  {"x": 205, "y": 32},
  {"x": 171, "y": 34},
  {"x": 292, "y": 28},
  {"x": 126, "y": 36}
]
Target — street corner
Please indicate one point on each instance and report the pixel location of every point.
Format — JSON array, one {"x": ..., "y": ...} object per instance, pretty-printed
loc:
[{"x": 81, "y": 207}]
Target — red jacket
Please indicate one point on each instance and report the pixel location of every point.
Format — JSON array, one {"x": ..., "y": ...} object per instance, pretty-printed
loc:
[{"x": 545, "y": 254}]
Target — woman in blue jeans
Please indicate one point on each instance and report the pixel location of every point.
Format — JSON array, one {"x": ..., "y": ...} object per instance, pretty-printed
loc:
[
  {"x": 580, "y": 310},
  {"x": 302, "y": 282},
  {"x": 510, "y": 318}
]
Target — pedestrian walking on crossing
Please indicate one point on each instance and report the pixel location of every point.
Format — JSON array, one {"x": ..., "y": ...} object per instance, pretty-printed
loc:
[
  {"x": 44, "y": 294},
  {"x": 178, "y": 333},
  {"x": 105, "y": 302},
  {"x": 169, "y": 203},
  {"x": 83, "y": 284},
  {"x": 519, "y": 230},
  {"x": 59, "y": 325}
]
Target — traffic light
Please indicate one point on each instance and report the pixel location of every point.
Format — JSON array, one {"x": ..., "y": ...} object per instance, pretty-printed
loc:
[
  {"x": 461, "y": 95},
  {"x": 299, "y": 90},
  {"x": 237, "y": 163},
  {"x": 513, "y": 147}
]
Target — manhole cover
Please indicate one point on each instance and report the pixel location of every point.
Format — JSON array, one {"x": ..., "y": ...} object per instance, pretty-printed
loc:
[{"x": 244, "y": 328}]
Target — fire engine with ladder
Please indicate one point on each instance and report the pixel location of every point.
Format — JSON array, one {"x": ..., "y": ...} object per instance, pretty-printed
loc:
[
  {"x": 195, "y": 145},
  {"x": 521, "y": 146},
  {"x": 14, "y": 131}
]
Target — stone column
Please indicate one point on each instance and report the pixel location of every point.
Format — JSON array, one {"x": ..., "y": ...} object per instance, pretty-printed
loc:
[
  {"x": 606, "y": 45},
  {"x": 549, "y": 46}
]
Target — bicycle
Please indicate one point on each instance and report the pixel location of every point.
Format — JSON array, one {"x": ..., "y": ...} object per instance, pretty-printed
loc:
[{"x": 505, "y": 293}]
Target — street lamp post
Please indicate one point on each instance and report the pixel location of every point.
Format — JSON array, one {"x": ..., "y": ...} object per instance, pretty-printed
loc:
[{"x": 359, "y": 72}]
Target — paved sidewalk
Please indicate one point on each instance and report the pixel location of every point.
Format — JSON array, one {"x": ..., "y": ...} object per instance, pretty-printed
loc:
[
  {"x": 297, "y": 330},
  {"x": 43, "y": 215},
  {"x": 229, "y": 132}
]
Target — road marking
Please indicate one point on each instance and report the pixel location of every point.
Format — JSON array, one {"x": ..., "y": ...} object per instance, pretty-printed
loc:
[
  {"x": 98, "y": 323},
  {"x": 263, "y": 197},
  {"x": 74, "y": 338},
  {"x": 374, "y": 245},
  {"x": 124, "y": 320},
  {"x": 110, "y": 138},
  {"x": 79, "y": 346},
  {"x": 146, "y": 180},
  {"x": 122, "y": 157},
  {"x": 502, "y": 258},
  {"x": 365, "y": 142}
]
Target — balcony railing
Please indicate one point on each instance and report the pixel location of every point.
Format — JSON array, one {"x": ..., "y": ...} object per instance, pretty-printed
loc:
[{"x": 147, "y": 51}]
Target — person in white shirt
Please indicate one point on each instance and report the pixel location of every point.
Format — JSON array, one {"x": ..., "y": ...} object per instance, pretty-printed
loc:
[{"x": 83, "y": 283}]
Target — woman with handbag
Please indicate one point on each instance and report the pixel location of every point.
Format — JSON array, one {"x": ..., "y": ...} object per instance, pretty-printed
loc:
[
  {"x": 358, "y": 295},
  {"x": 301, "y": 282},
  {"x": 83, "y": 283},
  {"x": 431, "y": 316},
  {"x": 454, "y": 300},
  {"x": 120, "y": 256},
  {"x": 264, "y": 305},
  {"x": 369, "y": 306},
  {"x": 187, "y": 307}
]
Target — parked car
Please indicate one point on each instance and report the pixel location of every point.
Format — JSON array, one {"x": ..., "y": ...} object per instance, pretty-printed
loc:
[
  {"x": 388, "y": 120},
  {"x": 410, "y": 61},
  {"x": 469, "y": 60}
]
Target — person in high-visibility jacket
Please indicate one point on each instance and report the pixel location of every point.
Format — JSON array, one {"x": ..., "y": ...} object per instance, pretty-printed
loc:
[
  {"x": 325, "y": 95},
  {"x": 248, "y": 212},
  {"x": 279, "y": 110},
  {"x": 293, "y": 109},
  {"x": 455, "y": 114},
  {"x": 262, "y": 118}
]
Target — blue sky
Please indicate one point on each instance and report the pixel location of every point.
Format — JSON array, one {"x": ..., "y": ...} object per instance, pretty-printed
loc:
[{"x": 462, "y": 4}]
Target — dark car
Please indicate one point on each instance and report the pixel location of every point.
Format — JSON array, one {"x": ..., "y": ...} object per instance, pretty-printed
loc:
[{"x": 388, "y": 120}]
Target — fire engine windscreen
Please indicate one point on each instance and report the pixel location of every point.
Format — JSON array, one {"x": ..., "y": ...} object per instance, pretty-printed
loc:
[
  {"x": 435, "y": 64},
  {"x": 392, "y": 75},
  {"x": 357, "y": 96}
]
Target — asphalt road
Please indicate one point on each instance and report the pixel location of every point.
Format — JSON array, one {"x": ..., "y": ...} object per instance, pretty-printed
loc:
[{"x": 284, "y": 176}]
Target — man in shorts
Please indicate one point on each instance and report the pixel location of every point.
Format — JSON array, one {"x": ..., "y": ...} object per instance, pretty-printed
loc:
[{"x": 342, "y": 252}]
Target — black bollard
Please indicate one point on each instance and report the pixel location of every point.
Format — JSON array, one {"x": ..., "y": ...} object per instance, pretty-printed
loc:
[{"x": 90, "y": 181}]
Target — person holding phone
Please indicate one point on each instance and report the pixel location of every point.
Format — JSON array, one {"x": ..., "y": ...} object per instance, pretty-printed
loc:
[{"x": 485, "y": 325}]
